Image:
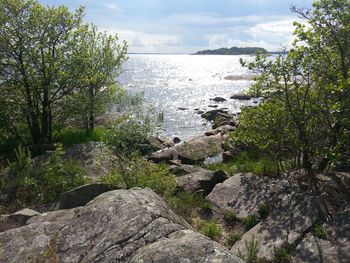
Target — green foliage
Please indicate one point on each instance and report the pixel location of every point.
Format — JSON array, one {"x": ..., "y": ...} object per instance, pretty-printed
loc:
[
  {"x": 304, "y": 114},
  {"x": 230, "y": 217},
  {"x": 70, "y": 136},
  {"x": 97, "y": 59},
  {"x": 207, "y": 207},
  {"x": 139, "y": 172},
  {"x": 185, "y": 204},
  {"x": 281, "y": 255},
  {"x": 211, "y": 229},
  {"x": 127, "y": 134},
  {"x": 263, "y": 211},
  {"x": 53, "y": 69},
  {"x": 235, "y": 236},
  {"x": 247, "y": 161},
  {"x": 43, "y": 181},
  {"x": 233, "y": 51},
  {"x": 319, "y": 231},
  {"x": 251, "y": 251},
  {"x": 250, "y": 221}
]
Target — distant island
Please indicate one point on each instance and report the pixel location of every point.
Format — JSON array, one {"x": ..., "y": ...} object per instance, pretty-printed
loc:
[{"x": 233, "y": 51}]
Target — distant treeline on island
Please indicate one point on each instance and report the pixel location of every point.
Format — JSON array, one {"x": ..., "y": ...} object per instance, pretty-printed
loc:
[{"x": 235, "y": 51}]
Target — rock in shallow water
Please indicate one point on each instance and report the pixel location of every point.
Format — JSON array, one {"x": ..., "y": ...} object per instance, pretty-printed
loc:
[{"x": 118, "y": 226}]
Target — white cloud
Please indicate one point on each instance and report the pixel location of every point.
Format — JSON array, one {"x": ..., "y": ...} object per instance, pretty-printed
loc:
[{"x": 112, "y": 7}]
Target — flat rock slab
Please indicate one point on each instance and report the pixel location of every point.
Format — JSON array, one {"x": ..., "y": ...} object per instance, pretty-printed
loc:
[
  {"x": 335, "y": 249},
  {"x": 192, "y": 151},
  {"x": 117, "y": 226}
]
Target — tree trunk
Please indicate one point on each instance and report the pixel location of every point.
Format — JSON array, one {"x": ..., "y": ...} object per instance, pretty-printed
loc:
[{"x": 91, "y": 118}]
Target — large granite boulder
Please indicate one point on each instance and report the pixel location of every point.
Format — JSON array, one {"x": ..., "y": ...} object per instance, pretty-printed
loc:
[
  {"x": 201, "y": 181},
  {"x": 292, "y": 212},
  {"x": 291, "y": 217},
  {"x": 334, "y": 249},
  {"x": 118, "y": 226},
  {"x": 192, "y": 151},
  {"x": 242, "y": 194}
]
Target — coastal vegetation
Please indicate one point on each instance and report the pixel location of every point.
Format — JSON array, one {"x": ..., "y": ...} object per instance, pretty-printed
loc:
[
  {"x": 134, "y": 196},
  {"x": 233, "y": 51}
]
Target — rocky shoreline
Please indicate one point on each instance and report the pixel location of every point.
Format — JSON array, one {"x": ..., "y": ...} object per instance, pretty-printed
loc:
[{"x": 94, "y": 223}]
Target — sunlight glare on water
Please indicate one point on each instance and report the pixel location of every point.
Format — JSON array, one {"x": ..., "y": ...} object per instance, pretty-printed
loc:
[{"x": 170, "y": 82}]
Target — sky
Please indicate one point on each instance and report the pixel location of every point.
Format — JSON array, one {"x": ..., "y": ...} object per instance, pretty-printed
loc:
[{"x": 186, "y": 26}]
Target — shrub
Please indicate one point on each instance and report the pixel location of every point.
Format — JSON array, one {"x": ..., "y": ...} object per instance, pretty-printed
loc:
[
  {"x": 207, "y": 207},
  {"x": 230, "y": 217},
  {"x": 138, "y": 172},
  {"x": 250, "y": 221},
  {"x": 43, "y": 181},
  {"x": 251, "y": 251},
  {"x": 235, "y": 236},
  {"x": 263, "y": 211},
  {"x": 211, "y": 229},
  {"x": 319, "y": 231},
  {"x": 281, "y": 255}
]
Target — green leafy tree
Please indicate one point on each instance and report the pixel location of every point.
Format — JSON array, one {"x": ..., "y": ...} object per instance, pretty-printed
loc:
[
  {"x": 35, "y": 43},
  {"x": 97, "y": 60},
  {"x": 304, "y": 114}
]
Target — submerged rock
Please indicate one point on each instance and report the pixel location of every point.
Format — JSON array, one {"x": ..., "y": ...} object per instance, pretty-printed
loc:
[
  {"x": 118, "y": 226},
  {"x": 241, "y": 97},
  {"x": 218, "y": 99}
]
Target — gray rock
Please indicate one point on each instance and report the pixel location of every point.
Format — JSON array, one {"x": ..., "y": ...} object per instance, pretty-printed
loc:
[
  {"x": 16, "y": 219},
  {"x": 242, "y": 194},
  {"x": 210, "y": 115},
  {"x": 81, "y": 195},
  {"x": 240, "y": 97},
  {"x": 161, "y": 143},
  {"x": 335, "y": 249},
  {"x": 218, "y": 99},
  {"x": 192, "y": 151},
  {"x": 226, "y": 128},
  {"x": 292, "y": 212},
  {"x": 95, "y": 158},
  {"x": 184, "y": 246},
  {"x": 227, "y": 156},
  {"x": 118, "y": 226},
  {"x": 292, "y": 216},
  {"x": 179, "y": 170},
  {"x": 203, "y": 181}
]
